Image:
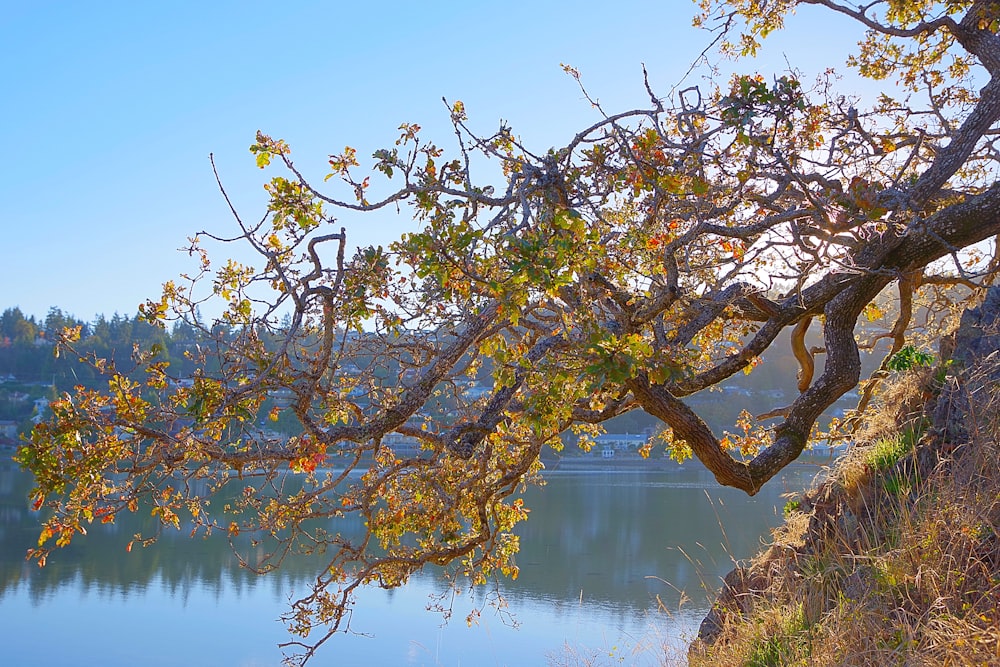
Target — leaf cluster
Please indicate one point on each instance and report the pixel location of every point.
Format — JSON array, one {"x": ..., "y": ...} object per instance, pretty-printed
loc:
[{"x": 658, "y": 253}]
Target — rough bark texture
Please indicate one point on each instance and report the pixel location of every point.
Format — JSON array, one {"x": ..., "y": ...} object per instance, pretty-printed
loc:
[{"x": 840, "y": 298}]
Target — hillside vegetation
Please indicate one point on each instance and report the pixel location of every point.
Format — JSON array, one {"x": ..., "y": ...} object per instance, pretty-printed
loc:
[{"x": 895, "y": 558}]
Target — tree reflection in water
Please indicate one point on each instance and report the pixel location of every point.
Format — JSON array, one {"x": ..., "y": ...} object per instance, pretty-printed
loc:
[{"x": 601, "y": 550}]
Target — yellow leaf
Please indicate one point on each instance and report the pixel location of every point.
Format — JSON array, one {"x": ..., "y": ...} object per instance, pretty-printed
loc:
[{"x": 873, "y": 312}]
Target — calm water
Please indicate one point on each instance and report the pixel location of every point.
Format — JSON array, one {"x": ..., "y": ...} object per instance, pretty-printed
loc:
[{"x": 603, "y": 558}]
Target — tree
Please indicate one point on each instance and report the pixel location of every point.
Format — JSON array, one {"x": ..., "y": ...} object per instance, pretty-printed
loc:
[
  {"x": 8, "y": 322},
  {"x": 56, "y": 321},
  {"x": 660, "y": 252},
  {"x": 15, "y": 327}
]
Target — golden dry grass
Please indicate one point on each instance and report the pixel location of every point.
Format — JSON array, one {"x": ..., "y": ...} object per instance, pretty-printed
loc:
[{"x": 895, "y": 560}]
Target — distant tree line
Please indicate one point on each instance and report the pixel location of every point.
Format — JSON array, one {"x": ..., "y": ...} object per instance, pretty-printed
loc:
[
  {"x": 26, "y": 345},
  {"x": 27, "y": 354},
  {"x": 30, "y": 368}
]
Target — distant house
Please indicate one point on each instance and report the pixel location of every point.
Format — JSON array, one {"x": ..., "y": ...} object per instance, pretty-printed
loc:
[
  {"x": 476, "y": 391},
  {"x": 283, "y": 398},
  {"x": 402, "y": 445},
  {"x": 350, "y": 370},
  {"x": 620, "y": 442},
  {"x": 41, "y": 407},
  {"x": 8, "y": 430}
]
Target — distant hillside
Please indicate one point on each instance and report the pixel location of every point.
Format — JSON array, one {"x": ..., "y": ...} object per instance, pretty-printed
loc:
[{"x": 30, "y": 370}]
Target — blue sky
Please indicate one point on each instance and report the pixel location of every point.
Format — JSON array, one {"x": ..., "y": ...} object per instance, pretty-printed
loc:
[{"x": 111, "y": 109}]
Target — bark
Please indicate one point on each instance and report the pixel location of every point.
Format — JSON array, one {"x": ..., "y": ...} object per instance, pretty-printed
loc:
[{"x": 841, "y": 298}]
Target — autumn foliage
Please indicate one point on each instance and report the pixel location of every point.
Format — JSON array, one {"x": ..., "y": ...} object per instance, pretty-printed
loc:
[{"x": 657, "y": 254}]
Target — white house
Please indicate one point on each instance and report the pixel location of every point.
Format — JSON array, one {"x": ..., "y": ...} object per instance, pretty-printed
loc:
[
  {"x": 621, "y": 442},
  {"x": 8, "y": 429}
]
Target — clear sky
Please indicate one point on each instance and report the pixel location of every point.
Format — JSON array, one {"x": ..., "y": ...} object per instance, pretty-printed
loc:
[{"x": 111, "y": 109}]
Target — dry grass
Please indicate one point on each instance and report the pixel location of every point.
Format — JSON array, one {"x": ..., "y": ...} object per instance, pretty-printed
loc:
[{"x": 895, "y": 560}]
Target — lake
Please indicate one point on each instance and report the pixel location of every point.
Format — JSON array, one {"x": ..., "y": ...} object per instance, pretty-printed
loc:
[{"x": 604, "y": 558}]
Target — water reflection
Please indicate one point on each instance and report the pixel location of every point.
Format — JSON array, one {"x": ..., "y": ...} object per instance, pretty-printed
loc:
[
  {"x": 617, "y": 536},
  {"x": 600, "y": 553}
]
